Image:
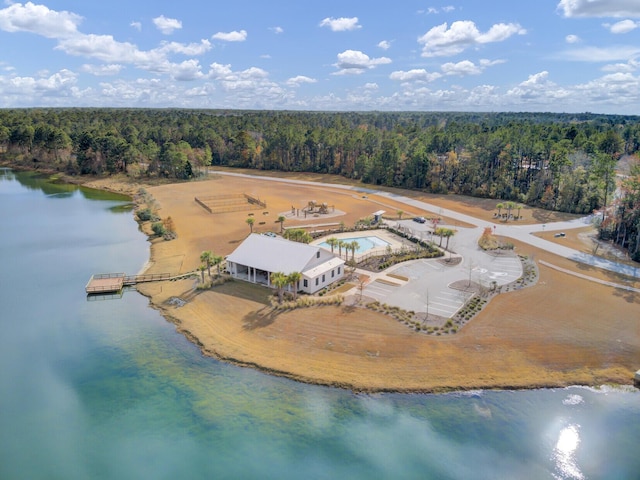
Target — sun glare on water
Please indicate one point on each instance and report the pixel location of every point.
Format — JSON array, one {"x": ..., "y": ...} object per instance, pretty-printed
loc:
[{"x": 564, "y": 453}]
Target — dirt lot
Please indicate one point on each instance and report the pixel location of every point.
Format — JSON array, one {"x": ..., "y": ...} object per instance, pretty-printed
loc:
[{"x": 565, "y": 330}]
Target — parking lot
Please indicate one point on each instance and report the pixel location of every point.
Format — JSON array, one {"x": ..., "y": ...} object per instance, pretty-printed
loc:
[
  {"x": 427, "y": 289},
  {"x": 429, "y": 282}
]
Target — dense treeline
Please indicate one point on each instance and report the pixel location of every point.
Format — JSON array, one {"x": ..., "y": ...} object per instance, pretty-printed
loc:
[
  {"x": 557, "y": 161},
  {"x": 621, "y": 222}
]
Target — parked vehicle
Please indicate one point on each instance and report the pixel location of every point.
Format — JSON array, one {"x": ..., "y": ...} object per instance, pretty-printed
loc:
[{"x": 419, "y": 219}]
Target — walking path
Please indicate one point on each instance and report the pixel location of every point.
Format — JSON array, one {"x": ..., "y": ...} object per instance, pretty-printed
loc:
[
  {"x": 466, "y": 239},
  {"x": 591, "y": 279}
]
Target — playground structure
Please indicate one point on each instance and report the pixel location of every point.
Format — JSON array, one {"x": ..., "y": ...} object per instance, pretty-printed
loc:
[
  {"x": 234, "y": 202},
  {"x": 314, "y": 207}
]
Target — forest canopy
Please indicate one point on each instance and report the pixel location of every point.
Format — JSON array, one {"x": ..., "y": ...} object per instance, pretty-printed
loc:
[{"x": 556, "y": 161}]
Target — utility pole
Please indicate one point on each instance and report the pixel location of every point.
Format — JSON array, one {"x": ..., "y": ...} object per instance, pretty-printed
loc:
[{"x": 426, "y": 319}]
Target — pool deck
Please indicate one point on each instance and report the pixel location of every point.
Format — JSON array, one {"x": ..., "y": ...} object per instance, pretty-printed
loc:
[{"x": 394, "y": 241}]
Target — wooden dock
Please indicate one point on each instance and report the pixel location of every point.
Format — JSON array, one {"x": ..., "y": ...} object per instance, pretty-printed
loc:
[{"x": 102, "y": 283}]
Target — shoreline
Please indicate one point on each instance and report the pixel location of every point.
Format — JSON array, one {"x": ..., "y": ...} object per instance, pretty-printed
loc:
[
  {"x": 595, "y": 378},
  {"x": 604, "y": 383},
  {"x": 388, "y": 381}
]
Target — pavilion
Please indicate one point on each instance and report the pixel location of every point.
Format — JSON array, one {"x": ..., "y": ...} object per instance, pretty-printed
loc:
[{"x": 258, "y": 256}]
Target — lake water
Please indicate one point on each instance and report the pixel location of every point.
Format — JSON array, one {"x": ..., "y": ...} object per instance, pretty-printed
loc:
[{"x": 108, "y": 390}]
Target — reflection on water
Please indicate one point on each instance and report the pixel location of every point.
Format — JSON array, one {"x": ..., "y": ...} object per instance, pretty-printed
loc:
[
  {"x": 565, "y": 453},
  {"x": 108, "y": 389}
]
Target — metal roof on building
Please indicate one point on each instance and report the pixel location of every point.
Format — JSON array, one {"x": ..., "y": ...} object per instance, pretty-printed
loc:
[{"x": 275, "y": 254}]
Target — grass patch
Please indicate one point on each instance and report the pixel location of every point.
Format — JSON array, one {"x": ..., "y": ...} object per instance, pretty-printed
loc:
[{"x": 398, "y": 277}]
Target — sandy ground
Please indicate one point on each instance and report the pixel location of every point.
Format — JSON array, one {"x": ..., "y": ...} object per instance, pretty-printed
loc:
[{"x": 564, "y": 330}]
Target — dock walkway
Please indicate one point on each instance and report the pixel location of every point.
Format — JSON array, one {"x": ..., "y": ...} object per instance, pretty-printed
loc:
[{"x": 114, "y": 282}]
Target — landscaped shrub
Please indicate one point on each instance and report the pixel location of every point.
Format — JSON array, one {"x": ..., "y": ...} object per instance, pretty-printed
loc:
[
  {"x": 144, "y": 214},
  {"x": 158, "y": 228}
]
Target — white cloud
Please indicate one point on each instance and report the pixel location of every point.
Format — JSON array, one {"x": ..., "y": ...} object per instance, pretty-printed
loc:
[
  {"x": 102, "y": 70},
  {"x": 108, "y": 50},
  {"x": 599, "y": 54},
  {"x": 102, "y": 47},
  {"x": 442, "y": 40},
  {"x": 63, "y": 27},
  {"x": 276, "y": 30},
  {"x": 384, "y": 44},
  {"x": 251, "y": 78},
  {"x": 234, "y": 36},
  {"x": 61, "y": 84},
  {"x": 623, "y": 26},
  {"x": 538, "y": 89},
  {"x": 572, "y": 39},
  {"x": 619, "y": 89},
  {"x": 186, "y": 71},
  {"x": 185, "y": 49},
  {"x": 434, "y": 10},
  {"x": 467, "y": 67},
  {"x": 462, "y": 68},
  {"x": 341, "y": 24},
  {"x": 371, "y": 86},
  {"x": 39, "y": 19},
  {"x": 630, "y": 66},
  {"x": 167, "y": 25},
  {"x": 599, "y": 8},
  {"x": 536, "y": 79},
  {"x": 299, "y": 80},
  {"x": 356, "y": 62},
  {"x": 415, "y": 75},
  {"x": 136, "y": 25}
]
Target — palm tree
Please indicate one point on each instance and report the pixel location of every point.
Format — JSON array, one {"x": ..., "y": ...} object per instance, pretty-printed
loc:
[
  {"x": 281, "y": 220},
  {"x": 202, "y": 268},
  {"x": 499, "y": 206},
  {"x": 448, "y": 233},
  {"x": 299, "y": 235},
  {"x": 279, "y": 280},
  {"x": 439, "y": 231},
  {"x": 332, "y": 242},
  {"x": 400, "y": 213},
  {"x": 250, "y": 221},
  {"x": 519, "y": 207},
  {"x": 206, "y": 258},
  {"x": 510, "y": 206},
  {"x": 217, "y": 260},
  {"x": 341, "y": 243},
  {"x": 294, "y": 278},
  {"x": 354, "y": 246}
]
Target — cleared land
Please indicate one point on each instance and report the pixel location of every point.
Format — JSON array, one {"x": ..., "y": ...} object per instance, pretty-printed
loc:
[{"x": 565, "y": 330}]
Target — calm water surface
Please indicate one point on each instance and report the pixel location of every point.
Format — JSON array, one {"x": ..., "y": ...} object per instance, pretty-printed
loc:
[{"x": 108, "y": 390}]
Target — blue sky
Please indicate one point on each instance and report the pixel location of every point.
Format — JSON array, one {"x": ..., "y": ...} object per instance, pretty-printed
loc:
[{"x": 469, "y": 55}]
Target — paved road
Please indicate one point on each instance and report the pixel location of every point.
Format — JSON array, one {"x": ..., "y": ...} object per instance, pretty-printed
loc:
[{"x": 466, "y": 238}]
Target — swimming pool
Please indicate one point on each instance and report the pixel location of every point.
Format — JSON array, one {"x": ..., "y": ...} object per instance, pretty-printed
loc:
[{"x": 364, "y": 243}]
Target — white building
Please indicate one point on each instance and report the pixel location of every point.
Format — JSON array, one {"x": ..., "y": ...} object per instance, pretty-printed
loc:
[{"x": 259, "y": 256}]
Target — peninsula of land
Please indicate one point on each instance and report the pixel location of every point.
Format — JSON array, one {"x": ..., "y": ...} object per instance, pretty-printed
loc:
[{"x": 577, "y": 325}]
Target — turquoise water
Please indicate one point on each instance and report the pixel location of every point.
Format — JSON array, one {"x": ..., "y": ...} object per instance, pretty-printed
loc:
[
  {"x": 364, "y": 243},
  {"x": 109, "y": 390}
]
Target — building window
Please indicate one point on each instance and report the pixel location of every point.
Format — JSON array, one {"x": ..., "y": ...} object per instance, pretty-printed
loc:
[
  {"x": 316, "y": 281},
  {"x": 305, "y": 283},
  {"x": 323, "y": 278},
  {"x": 338, "y": 270},
  {"x": 318, "y": 254},
  {"x": 333, "y": 273}
]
